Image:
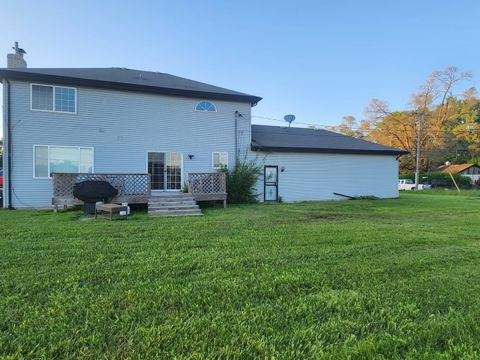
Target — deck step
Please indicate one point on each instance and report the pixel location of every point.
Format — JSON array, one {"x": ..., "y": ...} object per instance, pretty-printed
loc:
[
  {"x": 174, "y": 212},
  {"x": 173, "y": 204},
  {"x": 169, "y": 196},
  {"x": 173, "y": 207}
]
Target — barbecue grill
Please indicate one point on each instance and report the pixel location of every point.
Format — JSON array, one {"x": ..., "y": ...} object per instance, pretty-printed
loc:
[{"x": 93, "y": 191}]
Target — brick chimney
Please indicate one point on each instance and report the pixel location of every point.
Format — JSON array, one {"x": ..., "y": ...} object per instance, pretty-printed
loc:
[{"x": 16, "y": 60}]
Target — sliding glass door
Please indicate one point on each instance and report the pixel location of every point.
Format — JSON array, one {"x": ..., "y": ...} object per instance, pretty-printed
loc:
[{"x": 165, "y": 169}]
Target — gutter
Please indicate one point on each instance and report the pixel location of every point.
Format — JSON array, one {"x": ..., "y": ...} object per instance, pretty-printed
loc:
[
  {"x": 257, "y": 147},
  {"x": 236, "y": 135}
]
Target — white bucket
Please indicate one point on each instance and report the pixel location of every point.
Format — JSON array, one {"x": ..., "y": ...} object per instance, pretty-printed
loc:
[{"x": 125, "y": 212}]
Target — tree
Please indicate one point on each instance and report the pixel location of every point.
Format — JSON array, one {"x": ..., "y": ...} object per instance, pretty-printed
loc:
[
  {"x": 466, "y": 127},
  {"x": 350, "y": 127},
  {"x": 433, "y": 108}
]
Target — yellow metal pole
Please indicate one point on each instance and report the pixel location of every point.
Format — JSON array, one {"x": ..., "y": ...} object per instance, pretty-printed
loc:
[{"x": 453, "y": 179}]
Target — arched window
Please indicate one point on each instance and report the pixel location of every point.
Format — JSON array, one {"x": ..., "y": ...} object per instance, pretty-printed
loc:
[{"x": 205, "y": 106}]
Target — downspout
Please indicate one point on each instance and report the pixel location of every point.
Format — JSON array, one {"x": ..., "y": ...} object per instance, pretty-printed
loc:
[
  {"x": 9, "y": 145},
  {"x": 236, "y": 135}
]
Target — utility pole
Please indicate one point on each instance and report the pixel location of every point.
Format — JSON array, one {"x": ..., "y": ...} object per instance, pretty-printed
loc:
[{"x": 417, "y": 155}]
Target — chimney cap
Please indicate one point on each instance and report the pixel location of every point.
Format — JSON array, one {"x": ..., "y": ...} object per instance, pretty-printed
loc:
[{"x": 18, "y": 50}]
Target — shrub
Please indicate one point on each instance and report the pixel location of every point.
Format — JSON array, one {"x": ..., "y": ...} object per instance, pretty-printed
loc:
[
  {"x": 462, "y": 181},
  {"x": 241, "y": 181}
]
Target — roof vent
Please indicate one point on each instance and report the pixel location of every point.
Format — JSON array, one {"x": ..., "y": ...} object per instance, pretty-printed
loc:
[
  {"x": 16, "y": 60},
  {"x": 145, "y": 76}
]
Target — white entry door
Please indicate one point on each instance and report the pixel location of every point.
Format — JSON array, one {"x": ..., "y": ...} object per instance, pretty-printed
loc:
[{"x": 165, "y": 169}]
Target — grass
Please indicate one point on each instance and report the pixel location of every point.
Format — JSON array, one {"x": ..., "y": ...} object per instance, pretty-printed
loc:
[
  {"x": 351, "y": 279},
  {"x": 447, "y": 191}
]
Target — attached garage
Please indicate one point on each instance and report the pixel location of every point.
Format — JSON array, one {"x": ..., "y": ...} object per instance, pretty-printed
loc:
[{"x": 312, "y": 164}]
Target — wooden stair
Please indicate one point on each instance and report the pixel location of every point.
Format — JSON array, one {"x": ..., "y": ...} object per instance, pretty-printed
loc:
[{"x": 173, "y": 204}]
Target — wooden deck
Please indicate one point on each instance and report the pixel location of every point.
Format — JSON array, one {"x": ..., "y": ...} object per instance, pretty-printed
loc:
[{"x": 136, "y": 188}]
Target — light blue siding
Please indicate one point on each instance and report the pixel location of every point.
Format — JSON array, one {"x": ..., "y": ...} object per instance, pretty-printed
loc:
[
  {"x": 309, "y": 176},
  {"x": 121, "y": 126},
  {"x": 5, "y": 144}
]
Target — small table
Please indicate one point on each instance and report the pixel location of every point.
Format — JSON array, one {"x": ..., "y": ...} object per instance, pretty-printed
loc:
[{"x": 111, "y": 208}]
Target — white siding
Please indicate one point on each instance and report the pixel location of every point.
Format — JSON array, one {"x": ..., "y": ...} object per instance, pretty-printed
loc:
[
  {"x": 473, "y": 178},
  {"x": 121, "y": 126},
  {"x": 308, "y": 176}
]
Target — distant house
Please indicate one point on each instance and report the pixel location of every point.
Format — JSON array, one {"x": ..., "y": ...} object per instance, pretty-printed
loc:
[
  {"x": 117, "y": 120},
  {"x": 469, "y": 170}
]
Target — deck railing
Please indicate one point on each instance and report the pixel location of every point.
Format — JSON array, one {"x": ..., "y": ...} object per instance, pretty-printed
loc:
[
  {"x": 208, "y": 186},
  {"x": 132, "y": 188},
  {"x": 136, "y": 188}
]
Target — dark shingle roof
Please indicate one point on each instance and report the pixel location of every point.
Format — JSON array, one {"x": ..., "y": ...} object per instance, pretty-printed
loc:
[
  {"x": 276, "y": 138},
  {"x": 129, "y": 79}
]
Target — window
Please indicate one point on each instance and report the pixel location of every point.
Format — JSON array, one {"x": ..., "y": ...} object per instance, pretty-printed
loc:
[
  {"x": 42, "y": 97},
  {"x": 205, "y": 106},
  {"x": 53, "y": 98},
  {"x": 69, "y": 159},
  {"x": 219, "y": 160}
]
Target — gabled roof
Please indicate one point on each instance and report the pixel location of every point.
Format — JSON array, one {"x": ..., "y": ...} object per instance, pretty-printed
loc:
[
  {"x": 128, "y": 79},
  {"x": 456, "y": 168},
  {"x": 276, "y": 138}
]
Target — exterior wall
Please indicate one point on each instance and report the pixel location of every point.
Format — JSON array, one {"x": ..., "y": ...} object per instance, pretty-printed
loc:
[
  {"x": 309, "y": 176},
  {"x": 473, "y": 178},
  {"x": 121, "y": 126}
]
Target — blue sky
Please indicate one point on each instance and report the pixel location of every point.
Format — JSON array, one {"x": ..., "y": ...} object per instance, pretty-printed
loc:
[{"x": 319, "y": 60}]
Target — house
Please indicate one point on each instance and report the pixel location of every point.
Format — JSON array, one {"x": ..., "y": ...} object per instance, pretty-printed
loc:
[
  {"x": 471, "y": 171},
  {"x": 118, "y": 120}
]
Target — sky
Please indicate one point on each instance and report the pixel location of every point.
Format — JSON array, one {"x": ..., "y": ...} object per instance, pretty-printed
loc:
[{"x": 319, "y": 60}]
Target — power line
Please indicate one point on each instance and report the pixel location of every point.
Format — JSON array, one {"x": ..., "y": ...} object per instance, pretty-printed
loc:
[
  {"x": 296, "y": 122},
  {"x": 334, "y": 127}
]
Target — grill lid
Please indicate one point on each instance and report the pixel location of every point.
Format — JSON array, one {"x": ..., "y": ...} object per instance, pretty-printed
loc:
[{"x": 94, "y": 190}]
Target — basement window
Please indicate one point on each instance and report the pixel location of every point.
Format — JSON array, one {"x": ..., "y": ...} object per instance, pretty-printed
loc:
[
  {"x": 219, "y": 159},
  {"x": 206, "y": 106},
  {"x": 53, "y": 98},
  {"x": 48, "y": 159}
]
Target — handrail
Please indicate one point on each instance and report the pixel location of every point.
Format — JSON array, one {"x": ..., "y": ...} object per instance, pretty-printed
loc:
[{"x": 207, "y": 183}]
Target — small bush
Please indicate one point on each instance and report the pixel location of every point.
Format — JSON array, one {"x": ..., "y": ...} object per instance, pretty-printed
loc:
[
  {"x": 440, "y": 177},
  {"x": 241, "y": 181}
]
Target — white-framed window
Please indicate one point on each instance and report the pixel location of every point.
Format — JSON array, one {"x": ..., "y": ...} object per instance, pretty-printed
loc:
[
  {"x": 206, "y": 106},
  {"x": 219, "y": 159},
  {"x": 60, "y": 99},
  {"x": 48, "y": 159}
]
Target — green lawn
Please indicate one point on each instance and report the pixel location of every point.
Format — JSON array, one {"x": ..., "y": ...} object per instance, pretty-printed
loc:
[{"x": 350, "y": 279}]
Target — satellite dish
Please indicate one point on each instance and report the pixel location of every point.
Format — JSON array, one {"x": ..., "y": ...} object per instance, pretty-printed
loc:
[{"x": 289, "y": 119}]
